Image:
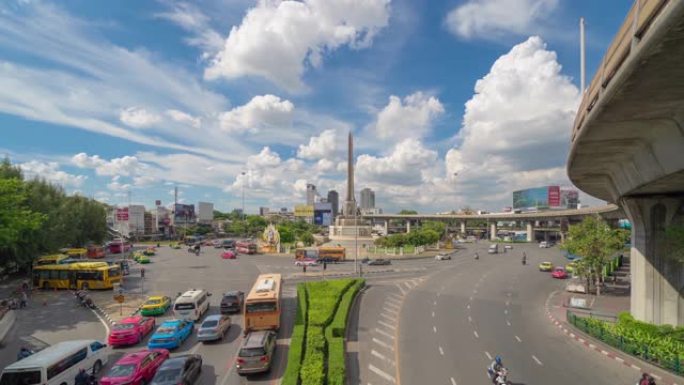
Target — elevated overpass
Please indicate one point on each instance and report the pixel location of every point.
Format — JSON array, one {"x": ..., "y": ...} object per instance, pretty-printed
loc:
[
  {"x": 628, "y": 148},
  {"x": 610, "y": 211}
]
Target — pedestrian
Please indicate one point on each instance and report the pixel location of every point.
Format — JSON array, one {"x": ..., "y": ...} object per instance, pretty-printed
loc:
[
  {"x": 304, "y": 268},
  {"x": 23, "y": 302},
  {"x": 325, "y": 265},
  {"x": 81, "y": 377},
  {"x": 644, "y": 379},
  {"x": 142, "y": 272}
]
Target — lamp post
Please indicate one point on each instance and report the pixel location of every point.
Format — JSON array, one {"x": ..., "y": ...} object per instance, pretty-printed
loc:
[
  {"x": 356, "y": 241},
  {"x": 243, "y": 200}
]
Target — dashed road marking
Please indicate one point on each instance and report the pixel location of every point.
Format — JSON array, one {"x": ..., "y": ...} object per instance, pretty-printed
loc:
[
  {"x": 388, "y": 310},
  {"x": 537, "y": 360},
  {"x": 508, "y": 322},
  {"x": 384, "y": 333},
  {"x": 383, "y": 344},
  {"x": 475, "y": 333},
  {"x": 434, "y": 329},
  {"x": 393, "y": 300},
  {"x": 408, "y": 286},
  {"x": 453, "y": 382},
  {"x": 506, "y": 311},
  {"x": 396, "y": 296},
  {"x": 389, "y": 317},
  {"x": 401, "y": 289},
  {"x": 392, "y": 304},
  {"x": 470, "y": 299},
  {"x": 441, "y": 351},
  {"x": 381, "y": 373},
  {"x": 382, "y": 357},
  {"x": 385, "y": 324},
  {"x": 468, "y": 307},
  {"x": 489, "y": 356},
  {"x": 435, "y": 303},
  {"x": 518, "y": 338},
  {"x": 470, "y": 319}
]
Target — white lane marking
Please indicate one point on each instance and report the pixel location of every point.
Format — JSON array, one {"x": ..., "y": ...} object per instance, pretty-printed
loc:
[
  {"x": 393, "y": 305},
  {"x": 468, "y": 307},
  {"x": 396, "y": 296},
  {"x": 381, "y": 373},
  {"x": 518, "y": 338},
  {"x": 385, "y": 324},
  {"x": 476, "y": 335},
  {"x": 537, "y": 360},
  {"x": 433, "y": 314},
  {"x": 408, "y": 286},
  {"x": 508, "y": 322},
  {"x": 437, "y": 294},
  {"x": 509, "y": 294},
  {"x": 389, "y": 317},
  {"x": 470, "y": 299},
  {"x": 489, "y": 356},
  {"x": 453, "y": 382},
  {"x": 434, "y": 329},
  {"x": 441, "y": 351},
  {"x": 475, "y": 291},
  {"x": 401, "y": 289},
  {"x": 435, "y": 303},
  {"x": 384, "y": 333},
  {"x": 383, "y": 344},
  {"x": 393, "y": 300},
  {"x": 506, "y": 311},
  {"x": 382, "y": 357},
  {"x": 508, "y": 303},
  {"x": 388, "y": 310},
  {"x": 102, "y": 321},
  {"x": 470, "y": 319}
]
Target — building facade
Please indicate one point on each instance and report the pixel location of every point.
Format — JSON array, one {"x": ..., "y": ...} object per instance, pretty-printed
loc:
[
  {"x": 263, "y": 211},
  {"x": 334, "y": 200},
  {"x": 136, "y": 219},
  {"x": 310, "y": 194},
  {"x": 205, "y": 213},
  {"x": 367, "y": 199}
]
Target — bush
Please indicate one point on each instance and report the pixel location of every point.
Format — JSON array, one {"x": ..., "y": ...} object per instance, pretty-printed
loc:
[
  {"x": 335, "y": 334},
  {"x": 339, "y": 323},
  {"x": 313, "y": 367},
  {"x": 297, "y": 340},
  {"x": 324, "y": 296}
]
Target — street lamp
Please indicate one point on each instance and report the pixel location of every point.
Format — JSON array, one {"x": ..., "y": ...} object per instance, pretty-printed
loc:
[{"x": 244, "y": 216}]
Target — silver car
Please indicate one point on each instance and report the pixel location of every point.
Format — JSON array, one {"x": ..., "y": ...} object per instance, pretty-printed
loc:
[
  {"x": 213, "y": 328},
  {"x": 256, "y": 353}
]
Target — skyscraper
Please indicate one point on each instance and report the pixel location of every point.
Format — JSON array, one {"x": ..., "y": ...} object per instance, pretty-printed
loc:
[
  {"x": 367, "y": 199},
  {"x": 310, "y": 194},
  {"x": 334, "y": 198}
]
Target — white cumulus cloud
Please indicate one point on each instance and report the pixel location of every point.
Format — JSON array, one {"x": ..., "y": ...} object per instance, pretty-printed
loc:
[
  {"x": 263, "y": 111},
  {"x": 50, "y": 171},
  {"x": 494, "y": 18},
  {"x": 404, "y": 166},
  {"x": 411, "y": 117},
  {"x": 516, "y": 127},
  {"x": 321, "y": 146},
  {"x": 182, "y": 117},
  {"x": 138, "y": 117},
  {"x": 124, "y": 166},
  {"x": 265, "y": 158},
  {"x": 278, "y": 40}
]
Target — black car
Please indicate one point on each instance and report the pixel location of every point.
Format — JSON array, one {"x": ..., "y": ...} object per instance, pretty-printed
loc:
[
  {"x": 232, "y": 302},
  {"x": 184, "y": 369},
  {"x": 228, "y": 244},
  {"x": 379, "y": 261}
]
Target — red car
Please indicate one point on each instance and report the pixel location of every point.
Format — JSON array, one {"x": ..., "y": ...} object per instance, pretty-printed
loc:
[
  {"x": 228, "y": 255},
  {"x": 135, "y": 368},
  {"x": 131, "y": 330},
  {"x": 559, "y": 272}
]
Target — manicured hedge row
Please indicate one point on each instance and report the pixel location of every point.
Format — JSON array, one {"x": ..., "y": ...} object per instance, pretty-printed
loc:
[
  {"x": 313, "y": 367},
  {"x": 339, "y": 322},
  {"x": 324, "y": 296},
  {"x": 296, "y": 350},
  {"x": 335, "y": 334}
]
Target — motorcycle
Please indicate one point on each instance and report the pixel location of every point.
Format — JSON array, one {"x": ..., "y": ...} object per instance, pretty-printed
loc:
[
  {"x": 524, "y": 261},
  {"x": 498, "y": 378},
  {"x": 477, "y": 256}
]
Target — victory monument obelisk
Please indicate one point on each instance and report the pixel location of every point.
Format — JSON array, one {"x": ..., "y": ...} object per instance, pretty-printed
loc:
[{"x": 348, "y": 226}]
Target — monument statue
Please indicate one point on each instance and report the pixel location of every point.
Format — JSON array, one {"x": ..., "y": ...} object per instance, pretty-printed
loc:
[{"x": 270, "y": 239}]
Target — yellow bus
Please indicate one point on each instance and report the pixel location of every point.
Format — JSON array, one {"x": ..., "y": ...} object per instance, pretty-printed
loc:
[
  {"x": 332, "y": 253},
  {"x": 306, "y": 253},
  {"x": 262, "y": 306},
  {"x": 77, "y": 275},
  {"x": 77, "y": 252},
  {"x": 54, "y": 259}
]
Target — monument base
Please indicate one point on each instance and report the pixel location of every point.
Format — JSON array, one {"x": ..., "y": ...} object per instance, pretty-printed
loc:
[{"x": 349, "y": 228}]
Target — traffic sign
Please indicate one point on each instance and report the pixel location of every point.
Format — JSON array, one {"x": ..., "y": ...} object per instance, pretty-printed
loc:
[{"x": 119, "y": 298}]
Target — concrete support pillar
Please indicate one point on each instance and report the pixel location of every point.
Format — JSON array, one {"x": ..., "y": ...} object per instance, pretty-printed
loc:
[
  {"x": 530, "y": 232},
  {"x": 463, "y": 227},
  {"x": 492, "y": 231},
  {"x": 657, "y": 277},
  {"x": 408, "y": 227},
  {"x": 386, "y": 227}
]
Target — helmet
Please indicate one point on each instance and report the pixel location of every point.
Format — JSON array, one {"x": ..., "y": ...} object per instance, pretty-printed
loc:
[{"x": 498, "y": 360}]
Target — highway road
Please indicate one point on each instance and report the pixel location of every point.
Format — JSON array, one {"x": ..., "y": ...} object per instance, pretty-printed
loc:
[{"x": 450, "y": 327}]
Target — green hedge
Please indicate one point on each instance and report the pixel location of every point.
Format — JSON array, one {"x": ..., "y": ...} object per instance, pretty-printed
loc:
[
  {"x": 662, "y": 345},
  {"x": 335, "y": 334},
  {"x": 313, "y": 367},
  {"x": 296, "y": 350},
  {"x": 324, "y": 296}
]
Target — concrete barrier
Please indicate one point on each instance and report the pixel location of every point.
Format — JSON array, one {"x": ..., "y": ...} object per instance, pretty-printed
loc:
[{"x": 6, "y": 321}]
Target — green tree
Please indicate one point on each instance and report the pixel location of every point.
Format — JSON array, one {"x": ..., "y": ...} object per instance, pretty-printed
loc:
[
  {"x": 595, "y": 242},
  {"x": 438, "y": 227},
  {"x": 307, "y": 238},
  {"x": 17, "y": 222},
  {"x": 286, "y": 234},
  {"x": 408, "y": 212},
  {"x": 10, "y": 171}
]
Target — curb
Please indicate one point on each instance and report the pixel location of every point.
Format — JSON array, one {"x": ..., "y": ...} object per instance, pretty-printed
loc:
[
  {"x": 586, "y": 342},
  {"x": 106, "y": 315}
]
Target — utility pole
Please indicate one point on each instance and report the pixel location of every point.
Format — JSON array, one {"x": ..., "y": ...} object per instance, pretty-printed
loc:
[
  {"x": 244, "y": 215},
  {"x": 582, "y": 58}
]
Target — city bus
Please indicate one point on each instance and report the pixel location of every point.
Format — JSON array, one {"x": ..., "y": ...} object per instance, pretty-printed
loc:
[
  {"x": 53, "y": 259},
  {"x": 332, "y": 253},
  {"x": 306, "y": 253},
  {"x": 246, "y": 247},
  {"x": 262, "y": 306},
  {"x": 76, "y": 252},
  {"x": 77, "y": 275}
]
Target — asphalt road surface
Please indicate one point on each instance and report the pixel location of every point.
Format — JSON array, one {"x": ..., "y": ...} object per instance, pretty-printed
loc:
[{"x": 453, "y": 324}]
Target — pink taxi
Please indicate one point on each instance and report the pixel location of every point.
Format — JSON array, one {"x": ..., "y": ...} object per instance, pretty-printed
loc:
[
  {"x": 131, "y": 330},
  {"x": 135, "y": 368}
]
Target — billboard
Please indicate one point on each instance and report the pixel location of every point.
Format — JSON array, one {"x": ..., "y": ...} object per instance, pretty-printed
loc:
[
  {"x": 554, "y": 196},
  {"x": 569, "y": 198},
  {"x": 122, "y": 214},
  {"x": 183, "y": 213},
  {"x": 304, "y": 211},
  {"x": 531, "y": 199},
  {"x": 323, "y": 214}
]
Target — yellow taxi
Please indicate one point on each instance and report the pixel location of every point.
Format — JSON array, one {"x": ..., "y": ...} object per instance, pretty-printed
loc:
[
  {"x": 155, "y": 305},
  {"x": 545, "y": 266},
  {"x": 570, "y": 267}
]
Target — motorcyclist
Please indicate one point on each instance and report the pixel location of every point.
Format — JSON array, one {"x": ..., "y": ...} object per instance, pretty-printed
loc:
[
  {"x": 23, "y": 353},
  {"x": 495, "y": 369},
  {"x": 646, "y": 379},
  {"x": 501, "y": 377},
  {"x": 197, "y": 248},
  {"x": 477, "y": 256},
  {"x": 524, "y": 259},
  {"x": 81, "y": 378}
]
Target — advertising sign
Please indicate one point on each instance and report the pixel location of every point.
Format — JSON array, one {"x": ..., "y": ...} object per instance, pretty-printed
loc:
[
  {"x": 183, "y": 213},
  {"x": 122, "y": 214},
  {"x": 323, "y": 214},
  {"x": 569, "y": 198},
  {"x": 157, "y": 202},
  {"x": 554, "y": 196},
  {"x": 531, "y": 199},
  {"x": 304, "y": 211}
]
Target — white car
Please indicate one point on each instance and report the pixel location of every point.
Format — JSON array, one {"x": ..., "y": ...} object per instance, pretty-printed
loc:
[
  {"x": 508, "y": 247},
  {"x": 306, "y": 262},
  {"x": 442, "y": 257},
  {"x": 545, "y": 245}
]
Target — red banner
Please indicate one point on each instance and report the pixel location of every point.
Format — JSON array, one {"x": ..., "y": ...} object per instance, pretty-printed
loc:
[
  {"x": 122, "y": 214},
  {"x": 554, "y": 196}
]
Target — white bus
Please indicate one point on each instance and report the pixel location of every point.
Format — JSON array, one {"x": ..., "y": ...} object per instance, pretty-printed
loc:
[
  {"x": 191, "y": 305},
  {"x": 58, "y": 364}
]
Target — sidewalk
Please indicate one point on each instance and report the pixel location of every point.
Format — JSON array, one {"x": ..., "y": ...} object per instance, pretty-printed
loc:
[{"x": 607, "y": 306}]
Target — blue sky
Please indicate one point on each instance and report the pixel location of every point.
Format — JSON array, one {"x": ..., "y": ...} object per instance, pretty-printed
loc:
[{"x": 452, "y": 103}]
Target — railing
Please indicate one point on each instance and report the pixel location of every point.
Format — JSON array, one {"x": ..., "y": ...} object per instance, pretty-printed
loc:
[
  {"x": 598, "y": 329},
  {"x": 633, "y": 29}
]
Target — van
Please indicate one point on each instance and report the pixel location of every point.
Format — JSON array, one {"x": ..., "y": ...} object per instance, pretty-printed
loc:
[
  {"x": 256, "y": 353},
  {"x": 493, "y": 249},
  {"x": 58, "y": 364},
  {"x": 191, "y": 305}
]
